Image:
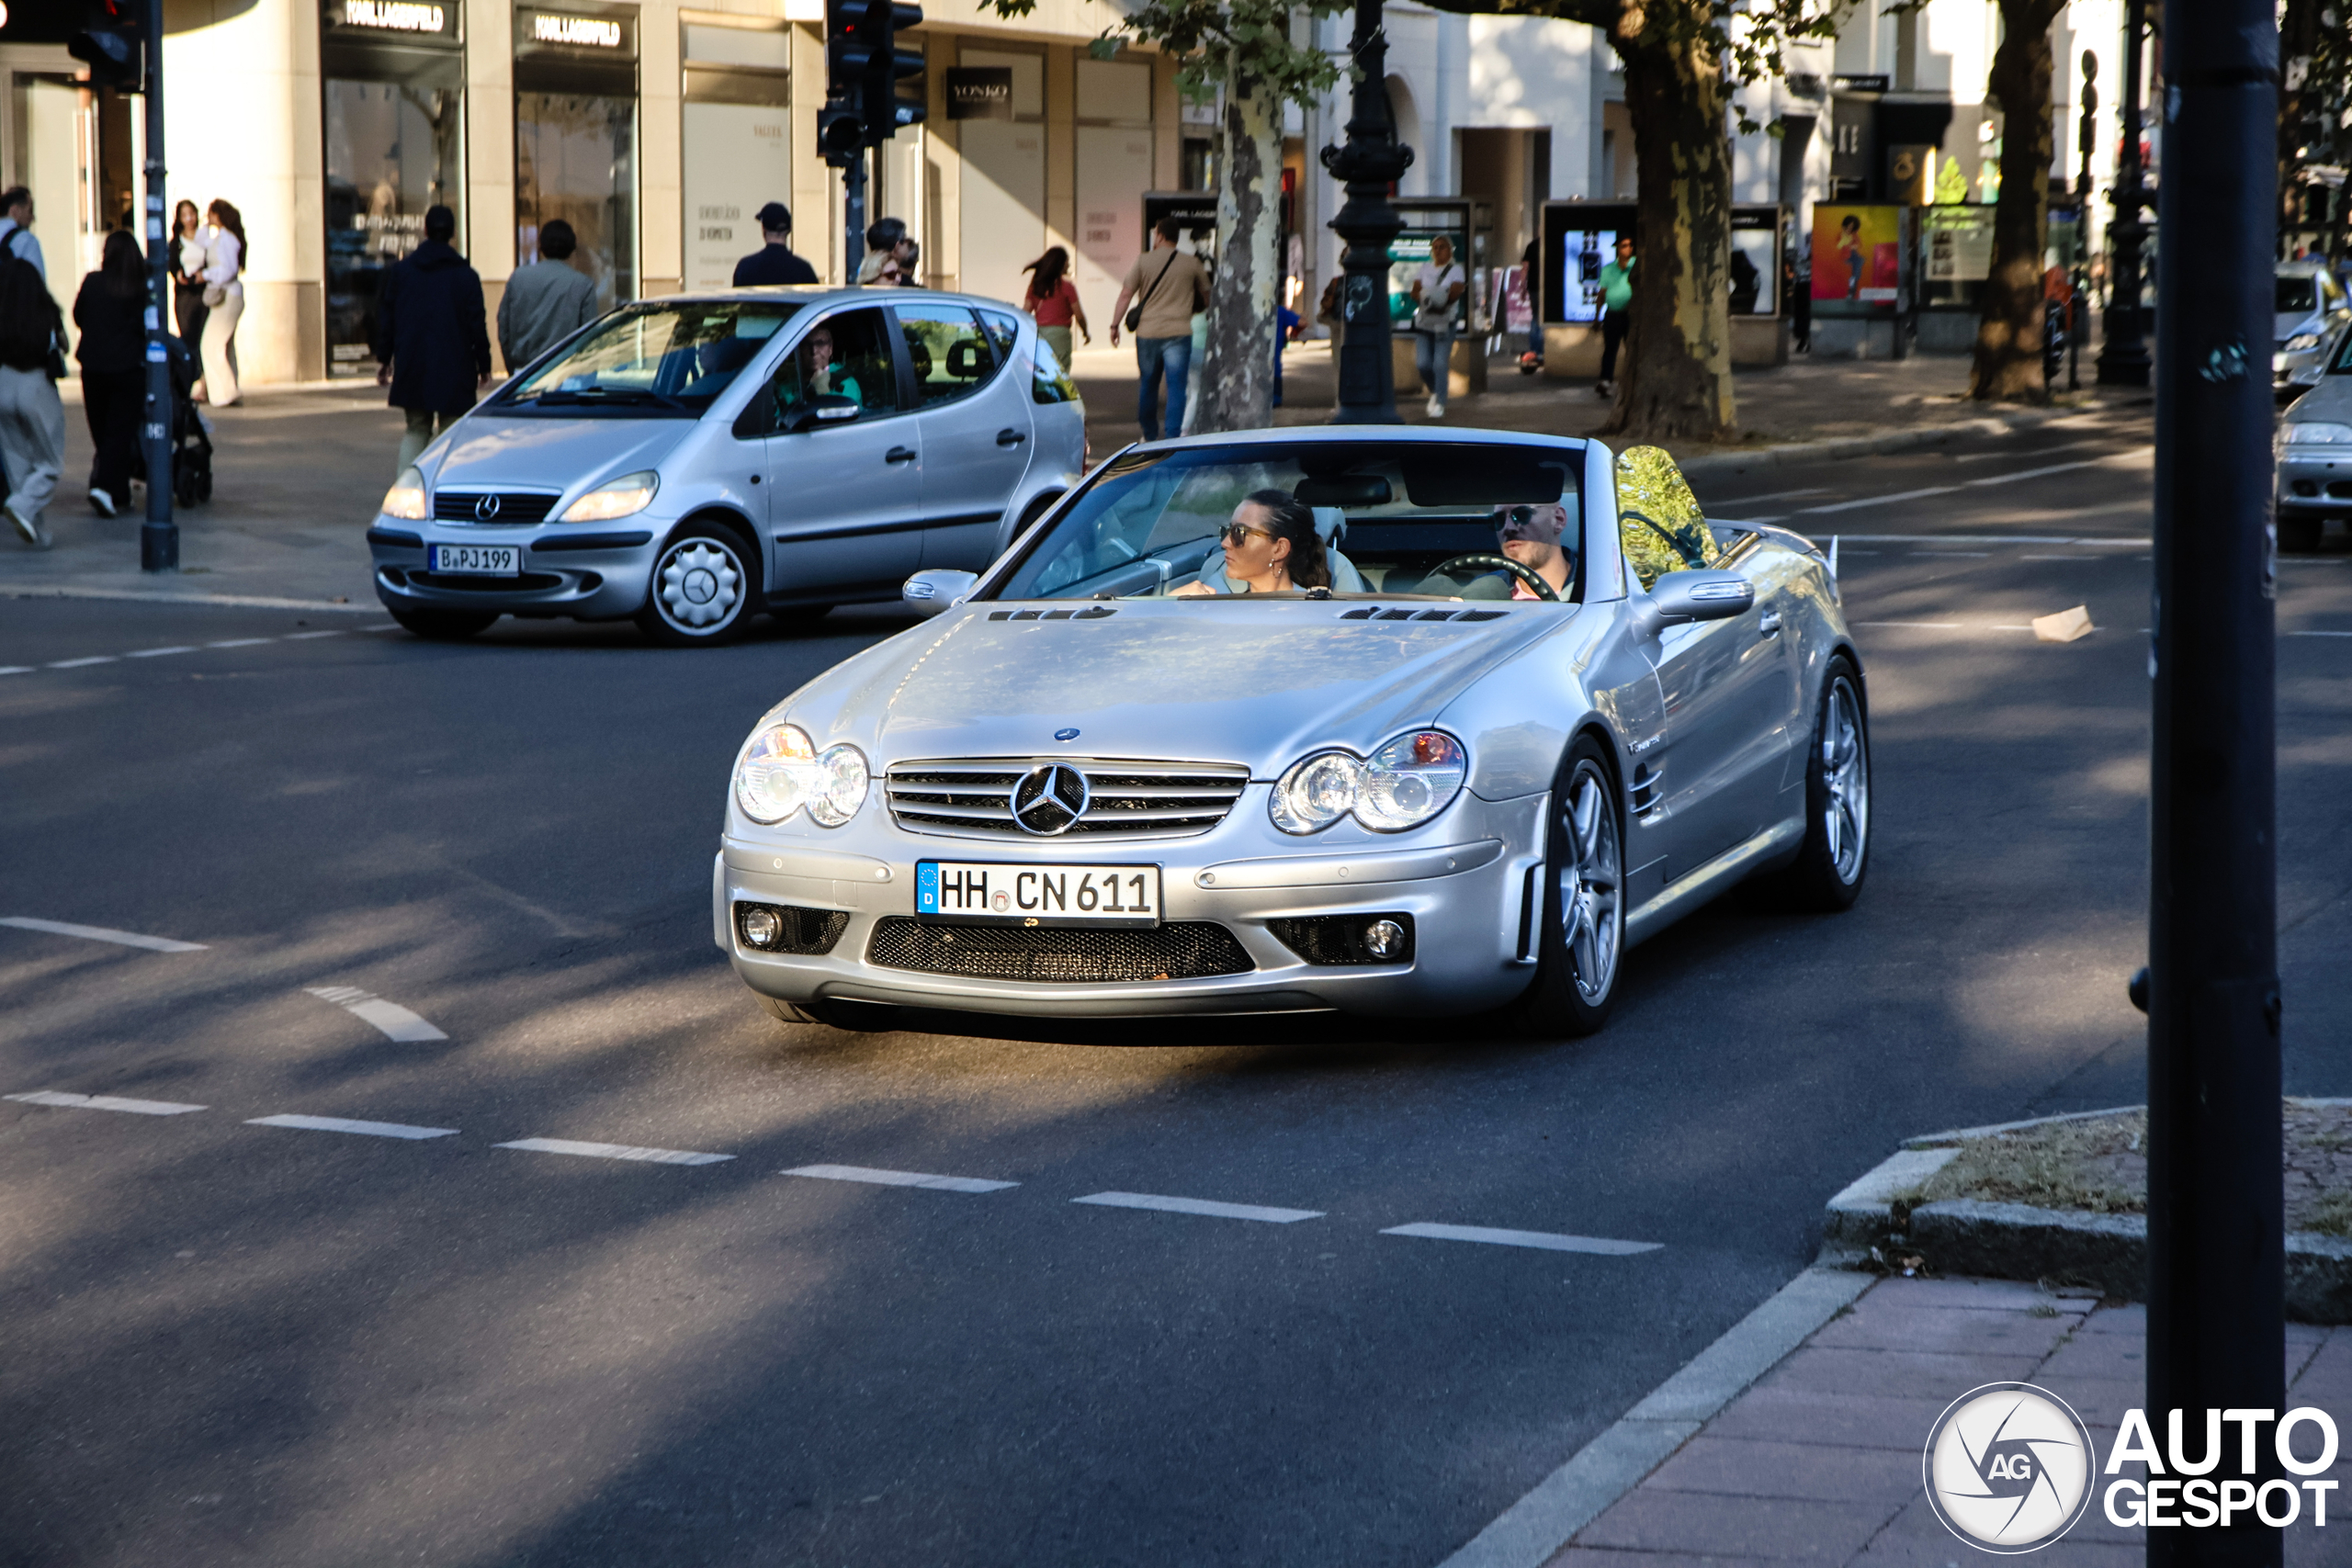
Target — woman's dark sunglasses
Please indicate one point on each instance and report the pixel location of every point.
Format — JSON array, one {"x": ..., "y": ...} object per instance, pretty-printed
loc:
[{"x": 1236, "y": 532}]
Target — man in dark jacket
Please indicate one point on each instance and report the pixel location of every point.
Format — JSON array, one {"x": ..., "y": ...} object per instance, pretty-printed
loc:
[
  {"x": 773, "y": 261},
  {"x": 432, "y": 335}
]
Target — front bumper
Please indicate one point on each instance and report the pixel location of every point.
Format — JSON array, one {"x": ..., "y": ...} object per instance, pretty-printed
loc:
[
  {"x": 2316, "y": 479},
  {"x": 593, "y": 571},
  {"x": 1465, "y": 879}
]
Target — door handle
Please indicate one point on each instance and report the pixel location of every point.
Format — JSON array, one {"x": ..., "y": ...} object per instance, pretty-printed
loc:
[
  {"x": 1009, "y": 436},
  {"x": 899, "y": 455},
  {"x": 1771, "y": 624}
]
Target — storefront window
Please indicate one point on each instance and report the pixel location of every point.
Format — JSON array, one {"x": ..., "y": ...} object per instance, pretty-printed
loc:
[
  {"x": 735, "y": 141},
  {"x": 575, "y": 139}
]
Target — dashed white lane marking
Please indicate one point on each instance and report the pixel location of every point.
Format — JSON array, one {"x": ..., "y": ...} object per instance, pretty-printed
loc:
[
  {"x": 612, "y": 1151},
  {"x": 81, "y": 663},
  {"x": 1200, "y": 1206},
  {"x": 2094, "y": 542},
  {"x": 240, "y": 642},
  {"x": 2320, "y": 634},
  {"x": 1544, "y": 1240},
  {"x": 899, "y": 1177},
  {"x": 2039, "y": 473},
  {"x": 305, "y": 637},
  {"x": 395, "y": 1020},
  {"x": 104, "y": 1102},
  {"x": 160, "y": 652},
  {"x": 101, "y": 933},
  {"x": 1875, "y": 500},
  {"x": 1916, "y": 626},
  {"x": 368, "y": 1129},
  {"x": 1952, "y": 554},
  {"x": 16, "y": 668}
]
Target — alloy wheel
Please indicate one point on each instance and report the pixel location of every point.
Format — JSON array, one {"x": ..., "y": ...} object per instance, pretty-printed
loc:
[
  {"x": 1846, "y": 773},
  {"x": 698, "y": 585},
  {"x": 1591, "y": 885}
]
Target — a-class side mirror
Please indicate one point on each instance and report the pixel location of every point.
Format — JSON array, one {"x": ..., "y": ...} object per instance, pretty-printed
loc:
[
  {"x": 937, "y": 588},
  {"x": 1681, "y": 598},
  {"x": 820, "y": 411}
]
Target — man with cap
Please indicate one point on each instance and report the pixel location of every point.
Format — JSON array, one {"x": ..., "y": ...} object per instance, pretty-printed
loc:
[{"x": 774, "y": 263}]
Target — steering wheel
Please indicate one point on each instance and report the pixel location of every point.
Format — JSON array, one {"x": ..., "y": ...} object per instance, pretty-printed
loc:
[{"x": 1526, "y": 574}]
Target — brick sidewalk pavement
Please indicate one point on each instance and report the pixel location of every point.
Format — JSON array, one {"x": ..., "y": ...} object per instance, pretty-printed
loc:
[{"x": 1819, "y": 1461}]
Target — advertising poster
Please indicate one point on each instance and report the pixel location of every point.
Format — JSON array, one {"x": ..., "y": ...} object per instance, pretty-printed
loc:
[
  {"x": 1958, "y": 243},
  {"x": 1856, "y": 254},
  {"x": 1756, "y": 262}
]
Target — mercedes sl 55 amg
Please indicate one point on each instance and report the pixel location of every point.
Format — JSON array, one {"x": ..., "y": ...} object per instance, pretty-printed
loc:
[{"x": 1516, "y": 706}]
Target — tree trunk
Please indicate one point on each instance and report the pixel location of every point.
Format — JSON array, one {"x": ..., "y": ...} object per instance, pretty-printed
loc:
[
  {"x": 1236, "y": 381},
  {"x": 1674, "y": 373},
  {"x": 2009, "y": 333},
  {"x": 2299, "y": 96}
]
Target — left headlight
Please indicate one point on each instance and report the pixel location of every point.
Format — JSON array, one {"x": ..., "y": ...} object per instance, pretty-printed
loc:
[
  {"x": 619, "y": 498},
  {"x": 782, "y": 770},
  {"x": 1403, "y": 785},
  {"x": 2303, "y": 341},
  {"x": 406, "y": 499},
  {"x": 2318, "y": 432}
]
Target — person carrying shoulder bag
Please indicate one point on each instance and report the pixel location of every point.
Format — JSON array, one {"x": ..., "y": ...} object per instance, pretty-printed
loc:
[
  {"x": 1174, "y": 285},
  {"x": 32, "y": 416}
]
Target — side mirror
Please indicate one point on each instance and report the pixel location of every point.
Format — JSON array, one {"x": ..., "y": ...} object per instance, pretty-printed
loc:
[
  {"x": 938, "y": 588},
  {"x": 1681, "y": 598},
  {"x": 823, "y": 409}
]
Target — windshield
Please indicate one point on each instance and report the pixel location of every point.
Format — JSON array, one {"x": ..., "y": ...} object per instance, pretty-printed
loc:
[
  {"x": 2298, "y": 295},
  {"x": 1389, "y": 515},
  {"x": 654, "y": 359}
]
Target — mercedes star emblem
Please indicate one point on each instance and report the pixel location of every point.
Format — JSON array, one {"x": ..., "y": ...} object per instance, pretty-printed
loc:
[
  {"x": 1051, "y": 798},
  {"x": 485, "y": 508}
]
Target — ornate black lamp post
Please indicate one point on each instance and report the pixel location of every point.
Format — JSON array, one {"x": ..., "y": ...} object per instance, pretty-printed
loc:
[
  {"x": 2078, "y": 313},
  {"x": 1370, "y": 161},
  {"x": 2124, "y": 361}
]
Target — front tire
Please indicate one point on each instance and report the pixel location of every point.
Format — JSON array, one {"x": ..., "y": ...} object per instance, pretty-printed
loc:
[
  {"x": 1827, "y": 875},
  {"x": 701, "y": 589},
  {"x": 1582, "y": 944},
  {"x": 445, "y": 626}
]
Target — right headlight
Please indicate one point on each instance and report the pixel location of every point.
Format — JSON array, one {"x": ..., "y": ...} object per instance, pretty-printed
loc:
[
  {"x": 2303, "y": 341},
  {"x": 1403, "y": 785},
  {"x": 2318, "y": 432},
  {"x": 622, "y": 497},
  {"x": 406, "y": 498},
  {"x": 782, "y": 770}
]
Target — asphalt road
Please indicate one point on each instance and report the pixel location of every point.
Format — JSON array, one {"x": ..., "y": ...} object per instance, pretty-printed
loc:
[{"x": 227, "y": 1343}]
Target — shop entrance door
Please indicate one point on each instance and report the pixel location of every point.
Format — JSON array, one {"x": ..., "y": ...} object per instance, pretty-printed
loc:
[{"x": 575, "y": 158}]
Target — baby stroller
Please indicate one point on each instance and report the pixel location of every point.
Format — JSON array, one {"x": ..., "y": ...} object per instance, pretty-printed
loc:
[{"x": 191, "y": 444}]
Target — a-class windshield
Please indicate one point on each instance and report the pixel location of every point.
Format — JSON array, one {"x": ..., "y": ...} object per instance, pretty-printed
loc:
[
  {"x": 2298, "y": 295},
  {"x": 1391, "y": 513},
  {"x": 654, "y": 359}
]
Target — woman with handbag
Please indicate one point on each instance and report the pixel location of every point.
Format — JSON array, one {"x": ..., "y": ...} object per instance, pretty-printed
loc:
[
  {"x": 224, "y": 302},
  {"x": 1436, "y": 289},
  {"x": 188, "y": 261}
]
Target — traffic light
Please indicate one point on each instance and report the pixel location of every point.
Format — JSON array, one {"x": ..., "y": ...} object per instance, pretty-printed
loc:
[
  {"x": 114, "y": 41},
  {"x": 886, "y": 65},
  {"x": 840, "y": 132}
]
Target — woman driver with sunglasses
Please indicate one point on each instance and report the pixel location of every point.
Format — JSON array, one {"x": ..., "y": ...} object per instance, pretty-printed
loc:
[{"x": 1270, "y": 546}]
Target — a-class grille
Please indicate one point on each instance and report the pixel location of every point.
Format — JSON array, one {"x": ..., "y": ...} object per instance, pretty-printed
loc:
[
  {"x": 1070, "y": 955},
  {"x": 516, "y": 508},
  {"x": 1125, "y": 799}
]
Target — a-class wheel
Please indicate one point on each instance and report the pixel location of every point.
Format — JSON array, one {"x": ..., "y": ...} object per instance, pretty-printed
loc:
[
  {"x": 1827, "y": 875},
  {"x": 1582, "y": 941},
  {"x": 2299, "y": 536},
  {"x": 701, "y": 590},
  {"x": 446, "y": 626}
]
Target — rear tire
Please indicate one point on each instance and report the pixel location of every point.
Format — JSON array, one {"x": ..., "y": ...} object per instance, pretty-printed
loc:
[
  {"x": 702, "y": 588},
  {"x": 1581, "y": 948},
  {"x": 445, "y": 626},
  {"x": 1827, "y": 875},
  {"x": 2299, "y": 536}
]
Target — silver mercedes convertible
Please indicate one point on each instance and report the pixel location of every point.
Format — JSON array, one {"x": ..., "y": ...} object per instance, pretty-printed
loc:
[{"x": 1513, "y": 706}]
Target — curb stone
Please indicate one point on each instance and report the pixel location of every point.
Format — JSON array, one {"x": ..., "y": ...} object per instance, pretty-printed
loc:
[{"x": 2017, "y": 1241}]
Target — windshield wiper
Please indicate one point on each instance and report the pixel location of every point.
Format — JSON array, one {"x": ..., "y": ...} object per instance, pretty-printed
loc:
[{"x": 594, "y": 395}]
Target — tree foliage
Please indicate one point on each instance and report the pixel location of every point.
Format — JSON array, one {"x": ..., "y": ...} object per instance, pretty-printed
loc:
[
  {"x": 1686, "y": 63},
  {"x": 1245, "y": 50}
]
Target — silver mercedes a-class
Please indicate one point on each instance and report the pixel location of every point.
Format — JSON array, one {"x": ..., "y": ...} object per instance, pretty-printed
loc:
[{"x": 1391, "y": 722}]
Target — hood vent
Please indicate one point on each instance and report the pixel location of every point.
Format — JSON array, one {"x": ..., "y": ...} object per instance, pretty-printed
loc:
[
  {"x": 1091, "y": 612},
  {"x": 1405, "y": 613}
]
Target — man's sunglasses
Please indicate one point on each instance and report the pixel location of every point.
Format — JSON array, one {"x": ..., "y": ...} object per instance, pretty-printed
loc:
[{"x": 1521, "y": 522}]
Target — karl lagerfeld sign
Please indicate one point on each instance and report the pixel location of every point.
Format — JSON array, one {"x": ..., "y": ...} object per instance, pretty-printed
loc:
[{"x": 980, "y": 92}]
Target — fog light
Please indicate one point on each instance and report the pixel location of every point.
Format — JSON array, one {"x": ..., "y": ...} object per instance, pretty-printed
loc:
[
  {"x": 761, "y": 926},
  {"x": 1384, "y": 938}
]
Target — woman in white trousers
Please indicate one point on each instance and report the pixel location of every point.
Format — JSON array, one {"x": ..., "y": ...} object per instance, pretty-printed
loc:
[{"x": 224, "y": 251}]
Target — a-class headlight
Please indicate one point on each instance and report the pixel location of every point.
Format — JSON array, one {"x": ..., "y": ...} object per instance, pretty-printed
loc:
[
  {"x": 619, "y": 498},
  {"x": 1403, "y": 785},
  {"x": 2303, "y": 341},
  {"x": 2317, "y": 433},
  {"x": 406, "y": 498},
  {"x": 782, "y": 770}
]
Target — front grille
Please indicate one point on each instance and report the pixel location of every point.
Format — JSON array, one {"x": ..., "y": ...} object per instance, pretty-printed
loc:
[
  {"x": 1125, "y": 799},
  {"x": 516, "y": 508},
  {"x": 467, "y": 582},
  {"x": 1184, "y": 950}
]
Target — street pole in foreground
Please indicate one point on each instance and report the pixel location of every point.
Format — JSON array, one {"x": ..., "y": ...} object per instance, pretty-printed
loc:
[
  {"x": 2216, "y": 1336},
  {"x": 2124, "y": 361},
  {"x": 159, "y": 537},
  {"x": 1370, "y": 161}
]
